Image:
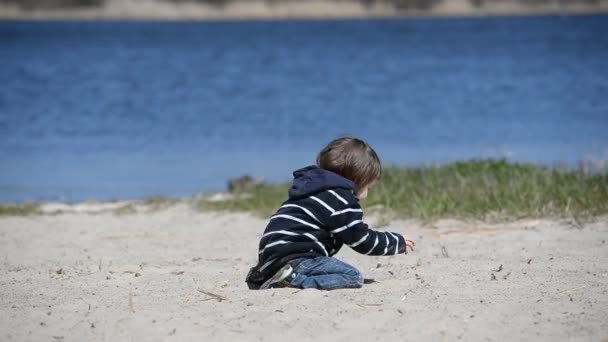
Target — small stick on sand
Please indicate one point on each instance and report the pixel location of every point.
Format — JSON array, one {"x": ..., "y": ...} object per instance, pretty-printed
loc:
[
  {"x": 572, "y": 289},
  {"x": 364, "y": 305},
  {"x": 213, "y": 295},
  {"x": 131, "y": 301}
]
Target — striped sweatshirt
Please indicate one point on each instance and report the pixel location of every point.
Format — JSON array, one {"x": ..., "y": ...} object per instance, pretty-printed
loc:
[{"x": 321, "y": 215}]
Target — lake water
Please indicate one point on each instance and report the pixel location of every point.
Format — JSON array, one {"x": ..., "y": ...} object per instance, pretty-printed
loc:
[{"x": 122, "y": 110}]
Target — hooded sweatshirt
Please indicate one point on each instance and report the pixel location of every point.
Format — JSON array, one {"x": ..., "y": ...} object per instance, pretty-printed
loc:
[{"x": 321, "y": 214}]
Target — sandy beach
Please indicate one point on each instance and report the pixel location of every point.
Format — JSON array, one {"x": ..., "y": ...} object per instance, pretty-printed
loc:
[{"x": 153, "y": 276}]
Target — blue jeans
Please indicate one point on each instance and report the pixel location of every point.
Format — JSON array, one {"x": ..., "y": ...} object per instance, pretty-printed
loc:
[{"x": 325, "y": 273}]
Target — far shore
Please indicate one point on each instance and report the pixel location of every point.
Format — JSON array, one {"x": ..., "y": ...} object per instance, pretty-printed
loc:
[{"x": 310, "y": 10}]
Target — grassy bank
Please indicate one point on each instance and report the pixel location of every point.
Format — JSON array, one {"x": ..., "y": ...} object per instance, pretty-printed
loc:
[
  {"x": 25, "y": 209},
  {"x": 488, "y": 189},
  {"x": 485, "y": 189}
]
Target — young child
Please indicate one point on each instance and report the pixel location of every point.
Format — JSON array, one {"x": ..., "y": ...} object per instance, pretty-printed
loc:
[{"x": 321, "y": 215}]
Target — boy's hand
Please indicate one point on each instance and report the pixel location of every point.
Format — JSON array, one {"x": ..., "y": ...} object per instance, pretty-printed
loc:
[{"x": 409, "y": 243}]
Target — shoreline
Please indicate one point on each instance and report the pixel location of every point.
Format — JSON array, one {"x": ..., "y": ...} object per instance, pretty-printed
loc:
[
  {"x": 161, "y": 20},
  {"x": 482, "y": 189},
  {"x": 377, "y": 215}
]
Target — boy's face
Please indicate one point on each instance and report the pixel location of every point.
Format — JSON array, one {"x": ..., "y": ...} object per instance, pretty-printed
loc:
[{"x": 362, "y": 192}]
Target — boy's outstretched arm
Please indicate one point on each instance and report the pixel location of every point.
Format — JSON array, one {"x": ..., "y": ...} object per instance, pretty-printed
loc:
[{"x": 355, "y": 233}]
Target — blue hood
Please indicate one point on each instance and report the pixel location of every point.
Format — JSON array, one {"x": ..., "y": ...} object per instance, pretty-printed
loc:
[{"x": 312, "y": 179}]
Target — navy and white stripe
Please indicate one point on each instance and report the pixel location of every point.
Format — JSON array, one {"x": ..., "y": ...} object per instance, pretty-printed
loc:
[{"x": 320, "y": 224}]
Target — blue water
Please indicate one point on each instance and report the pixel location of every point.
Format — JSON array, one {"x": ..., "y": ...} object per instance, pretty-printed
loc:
[{"x": 121, "y": 110}]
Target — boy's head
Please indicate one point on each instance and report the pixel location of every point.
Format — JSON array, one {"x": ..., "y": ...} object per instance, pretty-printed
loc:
[{"x": 353, "y": 159}]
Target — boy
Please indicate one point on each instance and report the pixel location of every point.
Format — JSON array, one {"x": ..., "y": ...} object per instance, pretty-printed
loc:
[{"x": 322, "y": 214}]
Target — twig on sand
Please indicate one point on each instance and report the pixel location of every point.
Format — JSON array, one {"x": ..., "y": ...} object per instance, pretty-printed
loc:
[
  {"x": 506, "y": 276},
  {"x": 219, "y": 298},
  {"x": 362, "y": 305},
  {"x": 481, "y": 231},
  {"x": 577, "y": 223},
  {"x": 131, "y": 301},
  {"x": 572, "y": 289}
]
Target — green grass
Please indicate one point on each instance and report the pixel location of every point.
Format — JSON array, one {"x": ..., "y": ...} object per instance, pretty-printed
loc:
[
  {"x": 159, "y": 203},
  {"x": 127, "y": 209},
  {"x": 152, "y": 204},
  {"x": 263, "y": 200},
  {"x": 479, "y": 189},
  {"x": 25, "y": 209}
]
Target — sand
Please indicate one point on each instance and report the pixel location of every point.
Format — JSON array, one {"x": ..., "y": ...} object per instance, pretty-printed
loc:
[{"x": 97, "y": 276}]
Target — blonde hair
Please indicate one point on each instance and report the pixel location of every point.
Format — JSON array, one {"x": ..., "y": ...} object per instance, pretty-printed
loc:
[{"x": 351, "y": 158}]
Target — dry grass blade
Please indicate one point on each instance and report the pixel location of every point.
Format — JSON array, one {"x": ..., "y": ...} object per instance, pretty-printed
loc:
[
  {"x": 481, "y": 231},
  {"x": 219, "y": 298},
  {"x": 572, "y": 289},
  {"x": 363, "y": 305}
]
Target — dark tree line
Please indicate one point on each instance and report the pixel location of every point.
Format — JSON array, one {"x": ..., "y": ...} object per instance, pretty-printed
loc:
[
  {"x": 36, "y": 4},
  {"x": 399, "y": 4}
]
